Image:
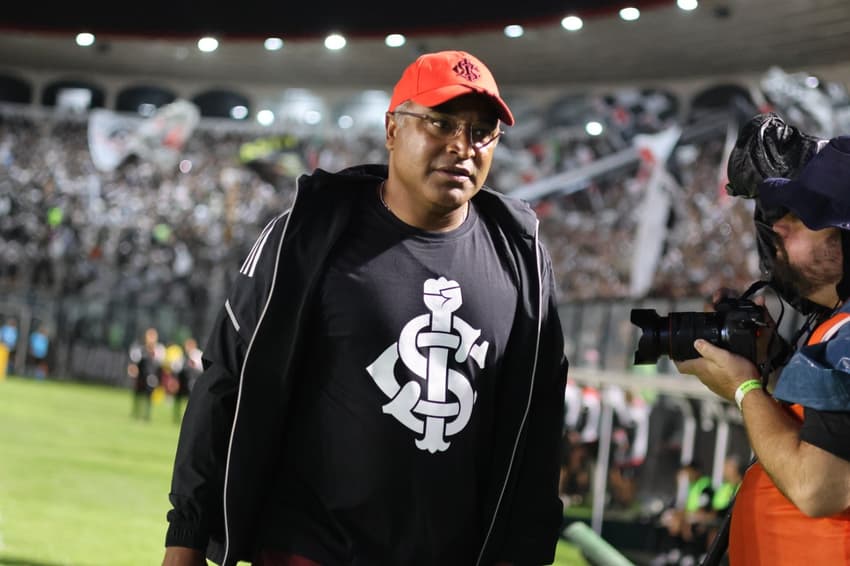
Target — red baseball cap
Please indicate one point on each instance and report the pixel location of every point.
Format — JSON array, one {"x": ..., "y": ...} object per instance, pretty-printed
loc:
[{"x": 435, "y": 78}]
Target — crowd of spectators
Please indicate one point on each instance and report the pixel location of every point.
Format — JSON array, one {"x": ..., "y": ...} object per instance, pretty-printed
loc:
[{"x": 139, "y": 234}]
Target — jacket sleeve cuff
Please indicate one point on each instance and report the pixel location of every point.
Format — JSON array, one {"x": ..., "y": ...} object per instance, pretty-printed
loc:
[{"x": 188, "y": 536}]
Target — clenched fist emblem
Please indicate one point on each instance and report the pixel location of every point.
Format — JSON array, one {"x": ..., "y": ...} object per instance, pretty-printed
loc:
[{"x": 445, "y": 405}]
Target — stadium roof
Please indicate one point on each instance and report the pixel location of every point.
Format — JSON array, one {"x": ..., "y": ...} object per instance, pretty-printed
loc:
[{"x": 157, "y": 38}]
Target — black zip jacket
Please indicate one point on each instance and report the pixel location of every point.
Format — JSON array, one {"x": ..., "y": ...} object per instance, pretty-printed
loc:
[{"x": 233, "y": 425}]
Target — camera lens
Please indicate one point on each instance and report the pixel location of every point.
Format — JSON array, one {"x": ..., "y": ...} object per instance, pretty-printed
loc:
[
  {"x": 673, "y": 335},
  {"x": 687, "y": 327},
  {"x": 653, "y": 335}
]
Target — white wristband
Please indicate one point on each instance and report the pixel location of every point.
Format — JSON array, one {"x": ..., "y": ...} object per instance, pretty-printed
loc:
[{"x": 745, "y": 388}]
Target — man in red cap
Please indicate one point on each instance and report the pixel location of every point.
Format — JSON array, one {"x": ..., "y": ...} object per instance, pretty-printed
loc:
[{"x": 385, "y": 381}]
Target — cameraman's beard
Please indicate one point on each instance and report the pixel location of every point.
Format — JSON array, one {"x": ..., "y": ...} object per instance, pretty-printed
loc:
[{"x": 824, "y": 269}]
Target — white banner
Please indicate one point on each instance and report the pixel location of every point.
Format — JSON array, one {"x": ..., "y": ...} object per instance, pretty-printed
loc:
[{"x": 159, "y": 139}]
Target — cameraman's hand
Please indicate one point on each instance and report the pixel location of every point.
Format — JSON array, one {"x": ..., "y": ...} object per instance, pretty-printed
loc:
[
  {"x": 771, "y": 348},
  {"x": 766, "y": 333},
  {"x": 720, "y": 370}
]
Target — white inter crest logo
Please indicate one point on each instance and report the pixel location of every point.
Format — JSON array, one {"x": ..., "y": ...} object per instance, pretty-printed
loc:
[{"x": 424, "y": 347}]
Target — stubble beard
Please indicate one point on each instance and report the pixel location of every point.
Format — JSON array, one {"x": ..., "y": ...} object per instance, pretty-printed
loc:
[{"x": 825, "y": 268}]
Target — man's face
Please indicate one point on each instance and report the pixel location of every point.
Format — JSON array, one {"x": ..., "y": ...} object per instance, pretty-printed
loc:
[
  {"x": 808, "y": 261},
  {"x": 437, "y": 174}
]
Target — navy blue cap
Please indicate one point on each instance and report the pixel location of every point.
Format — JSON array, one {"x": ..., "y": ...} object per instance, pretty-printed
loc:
[{"x": 820, "y": 194}]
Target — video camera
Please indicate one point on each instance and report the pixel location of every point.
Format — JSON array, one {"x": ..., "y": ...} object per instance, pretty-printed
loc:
[{"x": 734, "y": 326}]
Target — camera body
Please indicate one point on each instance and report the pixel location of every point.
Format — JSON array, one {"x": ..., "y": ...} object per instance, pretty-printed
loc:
[{"x": 734, "y": 326}]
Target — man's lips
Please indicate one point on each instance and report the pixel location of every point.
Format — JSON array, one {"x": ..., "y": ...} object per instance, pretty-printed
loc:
[{"x": 456, "y": 172}]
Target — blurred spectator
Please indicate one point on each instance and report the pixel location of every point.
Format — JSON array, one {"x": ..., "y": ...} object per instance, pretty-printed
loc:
[
  {"x": 184, "y": 377},
  {"x": 39, "y": 346},
  {"x": 576, "y": 471},
  {"x": 172, "y": 363},
  {"x": 580, "y": 443},
  {"x": 724, "y": 494},
  {"x": 724, "y": 497},
  {"x": 628, "y": 451},
  {"x": 685, "y": 531},
  {"x": 9, "y": 338},
  {"x": 145, "y": 369}
]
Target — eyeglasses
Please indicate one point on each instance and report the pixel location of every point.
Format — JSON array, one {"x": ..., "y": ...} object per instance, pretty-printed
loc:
[{"x": 447, "y": 128}]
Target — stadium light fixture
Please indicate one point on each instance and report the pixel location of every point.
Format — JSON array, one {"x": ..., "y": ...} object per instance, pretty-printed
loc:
[
  {"x": 630, "y": 13},
  {"x": 84, "y": 39},
  {"x": 593, "y": 128},
  {"x": 572, "y": 23},
  {"x": 238, "y": 112},
  {"x": 395, "y": 40},
  {"x": 335, "y": 42},
  {"x": 273, "y": 44},
  {"x": 312, "y": 117},
  {"x": 207, "y": 44},
  {"x": 265, "y": 117},
  {"x": 146, "y": 109},
  {"x": 514, "y": 31}
]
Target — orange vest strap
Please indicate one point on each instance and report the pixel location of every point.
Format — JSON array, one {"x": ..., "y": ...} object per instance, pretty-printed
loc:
[{"x": 827, "y": 330}]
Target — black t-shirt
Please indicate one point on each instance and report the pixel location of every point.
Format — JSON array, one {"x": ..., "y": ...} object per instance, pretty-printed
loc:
[
  {"x": 390, "y": 431},
  {"x": 827, "y": 430}
]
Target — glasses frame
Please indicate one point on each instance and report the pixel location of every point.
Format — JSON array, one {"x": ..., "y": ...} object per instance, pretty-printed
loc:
[{"x": 462, "y": 126}]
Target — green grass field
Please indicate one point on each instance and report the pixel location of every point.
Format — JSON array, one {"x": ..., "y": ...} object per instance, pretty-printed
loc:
[{"x": 83, "y": 484}]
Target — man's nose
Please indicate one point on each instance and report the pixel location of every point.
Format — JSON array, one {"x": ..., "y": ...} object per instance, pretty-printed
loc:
[{"x": 462, "y": 141}]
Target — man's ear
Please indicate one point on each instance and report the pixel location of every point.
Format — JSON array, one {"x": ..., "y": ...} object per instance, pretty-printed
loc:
[{"x": 391, "y": 128}]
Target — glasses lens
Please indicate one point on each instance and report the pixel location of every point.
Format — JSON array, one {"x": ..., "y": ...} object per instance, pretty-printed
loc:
[
  {"x": 483, "y": 134},
  {"x": 446, "y": 127},
  {"x": 443, "y": 127}
]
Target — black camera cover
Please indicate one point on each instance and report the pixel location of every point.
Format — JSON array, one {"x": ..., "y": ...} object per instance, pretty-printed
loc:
[{"x": 767, "y": 146}]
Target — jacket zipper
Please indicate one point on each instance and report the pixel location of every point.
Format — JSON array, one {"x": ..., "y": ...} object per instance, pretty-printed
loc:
[
  {"x": 224, "y": 561},
  {"x": 530, "y": 394}
]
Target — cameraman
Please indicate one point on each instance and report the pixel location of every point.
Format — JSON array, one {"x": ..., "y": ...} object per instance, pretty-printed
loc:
[{"x": 793, "y": 506}]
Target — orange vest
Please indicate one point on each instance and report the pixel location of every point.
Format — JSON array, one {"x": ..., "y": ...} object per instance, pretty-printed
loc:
[{"x": 769, "y": 530}]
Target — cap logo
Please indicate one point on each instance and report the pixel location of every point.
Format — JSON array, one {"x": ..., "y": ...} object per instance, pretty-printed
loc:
[{"x": 467, "y": 70}]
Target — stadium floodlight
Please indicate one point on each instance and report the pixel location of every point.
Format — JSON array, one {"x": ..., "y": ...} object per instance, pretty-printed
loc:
[
  {"x": 395, "y": 40},
  {"x": 335, "y": 42},
  {"x": 239, "y": 112},
  {"x": 687, "y": 5},
  {"x": 630, "y": 14},
  {"x": 593, "y": 128},
  {"x": 146, "y": 109},
  {"x": 85, "y": 39},
  {"x": 207, "y": 44},
  {"x": 265, "y": 117},
  {"x": 312, "y": 117},
  {"x": 273, "y": 44},
  {"x": 514, "y": 30},
  {"x": 572, "y": 23}
]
